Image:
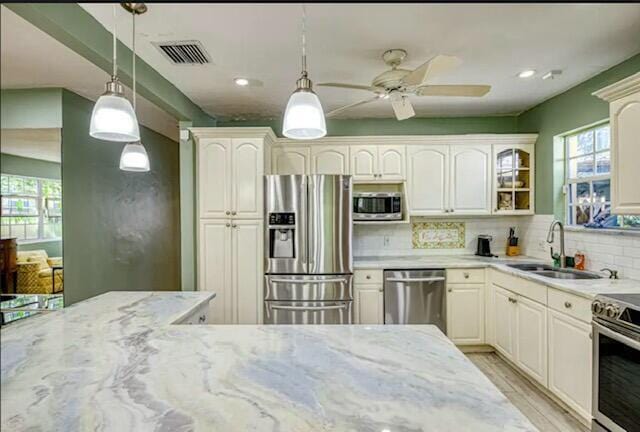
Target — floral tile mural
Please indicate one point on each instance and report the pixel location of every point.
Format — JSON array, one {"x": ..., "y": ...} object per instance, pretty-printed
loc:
[{"x": 438, "y": 235}]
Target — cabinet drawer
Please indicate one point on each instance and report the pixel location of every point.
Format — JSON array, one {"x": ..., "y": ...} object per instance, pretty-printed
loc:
[
  {"x": 465, "y": 276},
  {"x": 573, "y": 305},
  {"x": 367, "y": 277},
  {"x": 520, "y": 286}
]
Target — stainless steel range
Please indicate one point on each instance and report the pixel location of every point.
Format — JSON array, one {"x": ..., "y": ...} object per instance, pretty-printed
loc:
[
  {"x": 616, "y": 363},
  {"x": 308, "y": 258}
]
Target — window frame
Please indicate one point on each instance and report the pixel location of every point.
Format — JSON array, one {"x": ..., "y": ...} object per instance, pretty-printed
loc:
[{"x": 40, "y": 206}]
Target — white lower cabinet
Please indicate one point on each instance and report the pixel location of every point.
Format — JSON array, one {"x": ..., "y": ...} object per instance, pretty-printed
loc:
[
  {"x": 505, "y": 322},
  {"x": 531, "y": 338},
  {"x": 231, "y": 265},
  {"x": 570, "y": 361},
  {"x": 465, "y": 313},
  {"x": 369, "y": 304}
]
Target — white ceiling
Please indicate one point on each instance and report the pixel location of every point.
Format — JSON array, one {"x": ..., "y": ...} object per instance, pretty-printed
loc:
[
  {"x": 30, "y": 58},
  {"x": 345, "y": 41},
  {"x": 43, "y": 144}
]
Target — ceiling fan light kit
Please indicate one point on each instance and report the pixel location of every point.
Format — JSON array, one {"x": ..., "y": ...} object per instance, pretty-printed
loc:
[
  {"x": 304, "y": 117},
  {"x": 113, "y": 118}
]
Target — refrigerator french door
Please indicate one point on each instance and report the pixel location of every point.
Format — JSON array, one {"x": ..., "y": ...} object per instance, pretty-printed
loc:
[{"x": 308, "y": 256}]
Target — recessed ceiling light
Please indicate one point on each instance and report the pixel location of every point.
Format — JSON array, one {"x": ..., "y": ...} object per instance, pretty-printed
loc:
[
  {"x": 527, "y": 73},
  {"x": 241, "y": 81}
]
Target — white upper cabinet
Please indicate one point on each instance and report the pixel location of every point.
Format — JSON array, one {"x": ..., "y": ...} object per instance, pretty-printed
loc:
[
  {"x": 364, "y": 162},
  {"x": 513, "y": 179},
  {"x": 246, "y": 178},
  {"x": 291, "y": 160},
  {"x": 624, "y": 118},
  {"x": 470, "y": 179},
  {"x": 214, "y": 177},
  {"x": 428, "y": 179},
  {"x": 327, "y": 159},
  {"x": 391, "y": 161}
]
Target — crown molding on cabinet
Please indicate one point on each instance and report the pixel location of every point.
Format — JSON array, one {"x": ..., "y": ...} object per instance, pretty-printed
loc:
[
  {"x": 620, "y": 89},
  {"x": 233, "y": 132},
  {"x": 416, "y": 139}
]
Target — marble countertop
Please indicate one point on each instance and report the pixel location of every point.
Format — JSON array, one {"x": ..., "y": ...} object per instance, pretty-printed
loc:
[
  {"x": 587, "y": 288},
  {"x": 117, "y": 363}
]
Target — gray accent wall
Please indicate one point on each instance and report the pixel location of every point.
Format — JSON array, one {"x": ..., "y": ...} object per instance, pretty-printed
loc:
[{"x": 121, "y": 229}]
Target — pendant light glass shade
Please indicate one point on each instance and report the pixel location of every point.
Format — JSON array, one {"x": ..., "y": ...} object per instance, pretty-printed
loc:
[
  {"x": 304, "y": 117},
  {"x": 113, "y": 118},
  {"x": 134, "y": 158}
]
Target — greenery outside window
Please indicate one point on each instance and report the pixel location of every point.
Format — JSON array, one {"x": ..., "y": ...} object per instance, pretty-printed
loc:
[
  {"x": 588, "y": 179},
  {"x": 31, "y": 208}
]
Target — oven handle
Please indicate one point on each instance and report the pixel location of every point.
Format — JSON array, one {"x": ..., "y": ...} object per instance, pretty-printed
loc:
[
  {"x": 616, "y": 336},
  {"x": 308, "y": 308},
  {"x": 418, "y": 279},
  {"x": 308, "y": 281}
]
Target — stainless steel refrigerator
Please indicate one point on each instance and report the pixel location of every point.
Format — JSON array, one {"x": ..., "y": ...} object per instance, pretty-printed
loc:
[{"x": 308, "y": 257}]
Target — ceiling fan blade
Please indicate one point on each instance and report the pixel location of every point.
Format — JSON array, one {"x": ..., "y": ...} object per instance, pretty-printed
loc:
[
  {"x": 348, "y": 86},
  {"x": 402, "y": 107},
  {"x": 454, "y": 90},
  {"x": 432, "y": 68},
  {"x": 355, "y": 104}
]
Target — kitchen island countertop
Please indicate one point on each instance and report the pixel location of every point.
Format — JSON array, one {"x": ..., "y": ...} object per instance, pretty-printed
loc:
[{"x": 117, "y": 362}]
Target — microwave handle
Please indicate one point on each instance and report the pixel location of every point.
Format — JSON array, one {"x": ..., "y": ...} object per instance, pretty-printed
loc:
[{"x": 616, "y": 336}]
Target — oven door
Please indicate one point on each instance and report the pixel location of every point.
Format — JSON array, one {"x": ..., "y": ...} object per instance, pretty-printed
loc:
[
  {"x": 616, "y": 378},
  {"x": 308, "y": 312}
]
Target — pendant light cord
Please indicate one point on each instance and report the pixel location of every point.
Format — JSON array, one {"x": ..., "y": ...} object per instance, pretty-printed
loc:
[
  {"x": 133, "y": 46},
  {"x": 115, "y": 43},
  {"x": 304, "y": 39}
]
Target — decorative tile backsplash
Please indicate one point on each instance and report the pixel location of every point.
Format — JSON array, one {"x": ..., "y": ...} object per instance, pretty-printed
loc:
[{"x": 438, "y": 235}]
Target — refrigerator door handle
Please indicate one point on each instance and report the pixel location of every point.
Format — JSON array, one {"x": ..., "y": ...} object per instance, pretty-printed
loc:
[
  {"x": 308, "y": 281},
  {"x": 416, "y": 279}
]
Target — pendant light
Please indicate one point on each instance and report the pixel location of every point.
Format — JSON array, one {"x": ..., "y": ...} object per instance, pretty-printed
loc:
[
  {"x": 134, "y": 156},
  {"x": 303, "y": 117},
  {"x": 113, "y": 118}
]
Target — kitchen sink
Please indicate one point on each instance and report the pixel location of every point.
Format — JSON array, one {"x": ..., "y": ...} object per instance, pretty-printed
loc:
[{"x": 545, "y": 270}]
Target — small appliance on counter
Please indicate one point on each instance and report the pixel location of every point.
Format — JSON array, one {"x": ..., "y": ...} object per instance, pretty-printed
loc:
[
  {"x": 512, "y": 243},
  {"x": 484, "y": 246}
]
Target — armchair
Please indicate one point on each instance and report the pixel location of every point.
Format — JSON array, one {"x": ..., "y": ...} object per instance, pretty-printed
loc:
[{"x": 36, "y": 273}]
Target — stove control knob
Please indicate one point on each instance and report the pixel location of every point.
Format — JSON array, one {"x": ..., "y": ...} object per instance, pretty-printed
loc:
[
  {"x": 597, "y": 307},
  {"x": 612, "y": 311}
]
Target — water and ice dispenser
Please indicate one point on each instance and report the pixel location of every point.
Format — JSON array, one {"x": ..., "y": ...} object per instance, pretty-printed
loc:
[{"x": 282, "y": 228}]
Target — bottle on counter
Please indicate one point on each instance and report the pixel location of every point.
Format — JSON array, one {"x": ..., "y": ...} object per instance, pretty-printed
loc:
[{"x": 579, "y": 260}]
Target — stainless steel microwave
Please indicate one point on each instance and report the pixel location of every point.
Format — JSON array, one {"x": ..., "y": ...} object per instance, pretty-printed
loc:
[{"x": 381, "y": 206}]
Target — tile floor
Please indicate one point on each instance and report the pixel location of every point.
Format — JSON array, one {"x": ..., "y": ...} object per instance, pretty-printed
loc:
[{"x": 543, "y": 412}]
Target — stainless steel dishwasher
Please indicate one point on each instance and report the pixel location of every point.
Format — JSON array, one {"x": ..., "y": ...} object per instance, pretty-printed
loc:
[{"x": 415, "y": 297}]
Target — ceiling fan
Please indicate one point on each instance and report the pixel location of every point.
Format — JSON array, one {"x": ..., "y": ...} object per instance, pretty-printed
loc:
[{"x": 397, "y": 84}]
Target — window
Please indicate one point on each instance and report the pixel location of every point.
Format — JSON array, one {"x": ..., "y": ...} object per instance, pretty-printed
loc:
[
  {"x": 589, "y": 181},
  {"x": 31, "y": 208}
]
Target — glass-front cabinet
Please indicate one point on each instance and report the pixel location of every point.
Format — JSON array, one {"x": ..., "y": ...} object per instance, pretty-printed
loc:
[{"x": 514, "y": 179}]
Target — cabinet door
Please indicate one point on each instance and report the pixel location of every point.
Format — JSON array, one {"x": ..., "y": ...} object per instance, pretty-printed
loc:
[
  {"x": 214, "y": 174},
  {"x": 330, "y": 160},
  {"x": 570, "y": 361},
  {"x": 427, "y": 179},
  {"x": 369, "y": 305},
  {"x": 293, "y": 160},
  {"x": 531, "y": 339},
  {"x": 505, "y": 311},
  {"x": 470, "y": 176},
  {"x": 214, "y": 265},
  {"x": 364, "y": 162},
  {"x": 391, "y": 160},
  {"x": 246, "y": 181},
  {"x": 246, "y": 270},
  {"x": 465, "y": 314},
  {"x": 625, "y": 154}
]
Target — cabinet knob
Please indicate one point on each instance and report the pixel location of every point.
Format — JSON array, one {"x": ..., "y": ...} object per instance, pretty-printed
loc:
[
  {"x": 368, "y": 276},
  {"x": 466, "y": 275},
  {"x": 227, "y": 212},
  {"x": 567, "y": 304},
  {"x": 202, "y": 319},
  {"x": 234, "y": 226},
  {"x": 228, "y": 225},
  {"x": 449, "y": 290},
  {"x": 233, "y": 213}
]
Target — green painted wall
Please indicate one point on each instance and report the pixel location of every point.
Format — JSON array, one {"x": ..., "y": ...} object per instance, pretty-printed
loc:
[
  {"x": 387, "y": 126},
  {"x": 31, "y": 108},
  {"x": 18, "y": 165},
  {"x": 52, "y": 247},
  {"x": 570, "y": 110},
  {"x": 121, "y": 229}
]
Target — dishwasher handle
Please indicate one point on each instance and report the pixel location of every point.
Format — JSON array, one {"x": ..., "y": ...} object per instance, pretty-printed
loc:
[{"x": 416, "y": 279}]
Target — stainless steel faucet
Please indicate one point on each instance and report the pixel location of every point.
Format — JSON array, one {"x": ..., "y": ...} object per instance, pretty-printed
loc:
[{"x": 563, "y": 257}]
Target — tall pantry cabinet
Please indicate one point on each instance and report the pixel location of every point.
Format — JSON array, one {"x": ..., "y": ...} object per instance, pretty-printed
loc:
[{"x": 230, "y": 165}]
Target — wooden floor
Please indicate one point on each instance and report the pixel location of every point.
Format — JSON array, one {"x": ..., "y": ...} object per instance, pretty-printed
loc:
[{"x": 543, "y": 412}]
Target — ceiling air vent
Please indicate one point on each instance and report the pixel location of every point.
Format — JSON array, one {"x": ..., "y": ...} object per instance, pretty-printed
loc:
[{"x": 184, "y": 52}]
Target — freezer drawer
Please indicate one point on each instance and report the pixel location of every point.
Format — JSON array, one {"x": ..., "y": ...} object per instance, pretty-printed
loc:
[
  {"x": 415, "y": 297},
  {"x": 308, "y": 287},
  {"x": 308, "y": 312}
]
